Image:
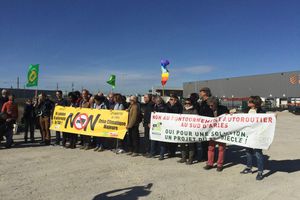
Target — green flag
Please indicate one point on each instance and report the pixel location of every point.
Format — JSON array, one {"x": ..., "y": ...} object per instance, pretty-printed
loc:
[
  {"x": 112, "y": 81},
  {"x": 33, "y": 76}
]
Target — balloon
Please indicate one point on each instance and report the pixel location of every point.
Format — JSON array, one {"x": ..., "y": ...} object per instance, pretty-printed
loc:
[{"x": 164, "y": 63}]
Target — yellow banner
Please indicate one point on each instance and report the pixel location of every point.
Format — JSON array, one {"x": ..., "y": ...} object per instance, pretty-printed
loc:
[{"x": 93, "y": 122}]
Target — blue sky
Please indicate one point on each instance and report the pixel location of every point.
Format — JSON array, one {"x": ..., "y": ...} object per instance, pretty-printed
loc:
[{"x": 84, "y": 41}]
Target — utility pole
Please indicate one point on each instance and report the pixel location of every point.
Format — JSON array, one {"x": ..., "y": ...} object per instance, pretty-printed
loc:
[
  {"x": 18, "y": 83},
  {"x": 56, "y": 86},
  {"x": 72, "y": 87}
]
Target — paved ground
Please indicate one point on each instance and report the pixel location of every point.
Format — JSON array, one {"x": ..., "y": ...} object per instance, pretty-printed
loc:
[{"x": 41, "y": 172}]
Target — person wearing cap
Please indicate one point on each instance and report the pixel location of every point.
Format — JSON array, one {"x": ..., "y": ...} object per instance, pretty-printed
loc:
[
  {"x": 204, "y": 110},
  {"x": 218, "y": 110}
]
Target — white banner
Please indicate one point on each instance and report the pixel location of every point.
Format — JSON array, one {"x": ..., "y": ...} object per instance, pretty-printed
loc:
[{"x": 248, "y": 130}]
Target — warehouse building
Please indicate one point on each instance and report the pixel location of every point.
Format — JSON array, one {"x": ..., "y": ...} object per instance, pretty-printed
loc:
[{"x": 276, "y": 87}]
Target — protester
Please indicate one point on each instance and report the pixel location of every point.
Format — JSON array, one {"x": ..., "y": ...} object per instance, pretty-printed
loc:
[
  {"x": 10, "y": 109},
  {"x": 188, "y": 149},
  {"x": 204, "y": 110},
  {"x": 149, "y": 107},
  {"x": 85, "y": 103},
  {"x": 254, "y": 106},
  {"x": 218, "y": 110},
  {"x": 3, "y": 99},
  {"x": 73, "y": 99},
  {"x": 111, "y": 103},
  {"x": 99, "y": 104},
  {"x": 119, "y": 106},
  {"x": 28, "y": 119},
  {"x": 159, "y": 106},
  {"x": 133, "y": 127},
  {"x": 60, "y": 101},
  {"x": 194, "y": 99},
  {"x": 44, "y": 110},
  {"x": 174, "y": 106}
]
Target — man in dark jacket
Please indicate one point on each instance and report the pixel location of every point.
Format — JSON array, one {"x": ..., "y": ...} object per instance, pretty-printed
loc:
[
  {"x": 44, "y": 111},
  {"x": 218, "y": 110},
  {"x": 60, "y": 101},
  {"x": 204, "y": 110},
  {"x": 28, "y": 118},
  {"x": 174, "y": 106},
  {"x": 149, "y": 107},
  {"x": 159, "y": 106}
]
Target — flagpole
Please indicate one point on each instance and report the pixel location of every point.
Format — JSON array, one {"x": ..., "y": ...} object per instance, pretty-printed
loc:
[{"x": 163, "y": 91}]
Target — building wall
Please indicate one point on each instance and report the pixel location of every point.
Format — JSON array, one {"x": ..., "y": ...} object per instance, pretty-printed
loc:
[{"x": 276, "y": 85}]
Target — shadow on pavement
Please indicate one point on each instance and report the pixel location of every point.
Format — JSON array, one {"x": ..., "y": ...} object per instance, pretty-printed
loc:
[
  {"x": 236, "y": 155},
  {"x": 130, "y": 193}
]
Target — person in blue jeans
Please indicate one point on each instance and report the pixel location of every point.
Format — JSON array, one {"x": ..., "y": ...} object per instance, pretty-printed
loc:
[
  {"x": 99, "y": 104},
  {"x": 254, "y": 106},
  {"x": 159, "y": 106}
]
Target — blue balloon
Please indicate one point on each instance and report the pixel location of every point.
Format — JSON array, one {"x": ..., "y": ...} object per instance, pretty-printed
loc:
[{"x": 164, "y": 63}]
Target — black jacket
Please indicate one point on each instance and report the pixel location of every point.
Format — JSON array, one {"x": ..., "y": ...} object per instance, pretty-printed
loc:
[
  {"x": 177, "y": 108},
  {"x": 204, "y": 109},
  {"x": 61, "y": 102},
  {"x": 160, "y": 108},
  {"x": 45, "y": 108},
  {"x": 149, "y": 107},
  {"x": 222, "y": 110},
  {"x": 2, "y": 101},
  {"x": 28, "y": 111}
]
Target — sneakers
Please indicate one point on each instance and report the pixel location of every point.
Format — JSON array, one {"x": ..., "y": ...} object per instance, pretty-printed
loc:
[
  {"x": 120, "y": 151},
  {"x": 219, "y": 168},
  {"x": 149, "y": 155},
  {"x": 96, "y": 149},
  {"x": 182, "y": 160},
  {"x": 259, "y": 176},
  {"x": 100, "y": 149},
  {"x": 189, "y": 162},
  {"x": 246, "y": 171},
  {"x": 135, "y": 155},
  {"x": 129, "y": 153},
  {"x": 208, "y": 167},
  {"x": 161, "y": 158}
]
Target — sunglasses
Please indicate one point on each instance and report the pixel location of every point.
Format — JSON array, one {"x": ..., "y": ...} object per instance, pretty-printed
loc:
[
  {"x": 251, "y": 101},
  {"x": 171, "y": 99},
  {"x": 188, "y": 103}
]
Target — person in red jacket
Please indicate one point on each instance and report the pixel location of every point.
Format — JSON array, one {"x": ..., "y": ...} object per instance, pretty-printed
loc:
[{"x": 10, "y": 110}]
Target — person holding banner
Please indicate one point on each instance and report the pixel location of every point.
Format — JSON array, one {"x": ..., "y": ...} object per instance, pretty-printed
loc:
[
  {"x": 204, "y": 110},
  {"x": 149, "y": 105},
  {"x": 133, "y": 127},
  {"x": 119, "y": 106},
  {"x": 188, "y": 149},
  {"x": 254, "y": 106},
  {"x": 73, "y": 99},
  {"x": 159, "y": 106},
  {"x": 174, "y": 106},
  {"x": 218, "y": 110},
  {"x": 99, "y": 104},
  {"x": 85, "y": 103},
  {"x": 60, "y": 101}
]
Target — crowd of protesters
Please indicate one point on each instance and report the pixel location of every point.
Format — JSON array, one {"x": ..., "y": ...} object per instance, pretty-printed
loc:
[{"x": 40, "y": 110}]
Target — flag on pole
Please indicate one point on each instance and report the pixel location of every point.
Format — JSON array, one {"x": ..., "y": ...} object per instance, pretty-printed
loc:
[
  {"x": 33, "y": 76},
  {"x": 112, "y": 81}
]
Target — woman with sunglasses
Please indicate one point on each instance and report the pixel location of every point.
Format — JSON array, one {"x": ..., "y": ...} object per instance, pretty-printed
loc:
[
  {"x": 254, "y": 106},
  {"x": 188, "y": 149},
  {"x": 218, "y": 110}
]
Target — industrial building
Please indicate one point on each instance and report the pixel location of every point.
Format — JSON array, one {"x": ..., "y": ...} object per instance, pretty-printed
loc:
[{"x": 277, "y": 88}]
